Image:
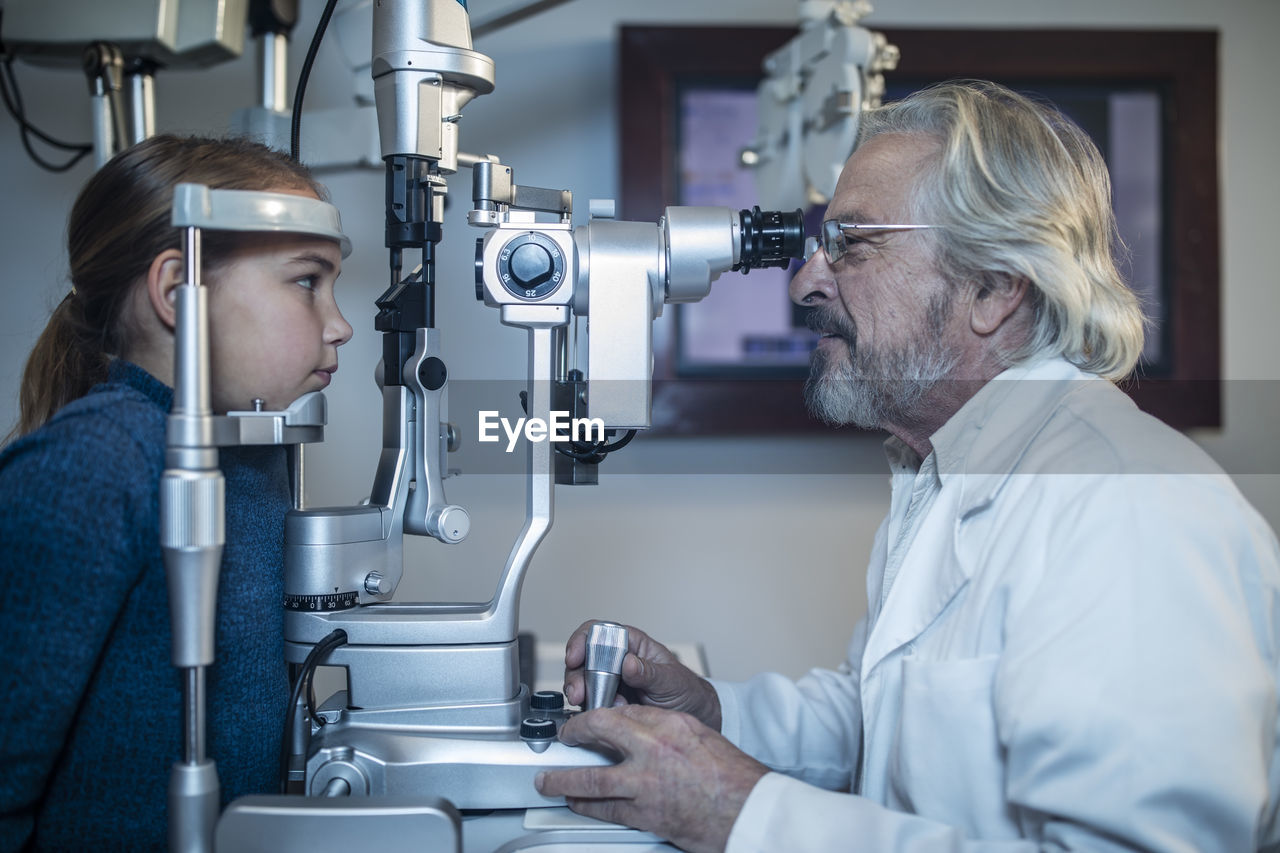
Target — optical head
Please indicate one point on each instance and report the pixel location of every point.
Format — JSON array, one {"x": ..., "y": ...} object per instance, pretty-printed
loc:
[{"x": 770, "y": 238}]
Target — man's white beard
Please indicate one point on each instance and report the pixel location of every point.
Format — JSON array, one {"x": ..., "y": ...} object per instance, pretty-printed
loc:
[{"x": 871, "y": 389}]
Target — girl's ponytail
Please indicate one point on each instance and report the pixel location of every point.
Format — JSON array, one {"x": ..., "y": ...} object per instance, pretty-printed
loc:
[{"x": 64, "y": 364}]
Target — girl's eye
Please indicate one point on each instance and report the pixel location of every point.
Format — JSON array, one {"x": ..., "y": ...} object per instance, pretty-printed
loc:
[{"x": 309, "y": 282}]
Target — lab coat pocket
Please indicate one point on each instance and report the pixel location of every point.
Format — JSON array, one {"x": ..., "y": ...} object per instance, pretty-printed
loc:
[{"x": 946, "y": 761}]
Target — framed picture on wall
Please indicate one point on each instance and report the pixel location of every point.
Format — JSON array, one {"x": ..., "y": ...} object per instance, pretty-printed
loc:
[{"x": 735, "y": 362}]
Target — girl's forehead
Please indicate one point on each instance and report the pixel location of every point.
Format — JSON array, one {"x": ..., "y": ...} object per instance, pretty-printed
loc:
[
  {"x": 287, "y": 248},
  {"x": 283, "y": 241}
]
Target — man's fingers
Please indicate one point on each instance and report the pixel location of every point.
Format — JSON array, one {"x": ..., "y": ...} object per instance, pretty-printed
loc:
[
  {"x": 637, "y": 672},
  {"x": 575, "y": 650},
  {"x": 584, "y": 730},
  {"x": 593, "y": 783},
  {"x": 575, "y": 658},
  {"x": 575, "y": 689},
  {"x": 609, "y": 811},
  {"x": 625, "y": 729},
  {"x": 665, "y": 681}
]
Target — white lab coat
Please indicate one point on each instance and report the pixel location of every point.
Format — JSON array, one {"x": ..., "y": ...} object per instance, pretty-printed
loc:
[{"x": 1079, "y": 652}]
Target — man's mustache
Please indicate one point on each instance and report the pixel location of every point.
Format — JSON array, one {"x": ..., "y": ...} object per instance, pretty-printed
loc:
[{"x": 826, "y": 320}]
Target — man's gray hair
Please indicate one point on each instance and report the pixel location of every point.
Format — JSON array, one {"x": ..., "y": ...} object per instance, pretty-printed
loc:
[{"x": 1022, "y": 192}]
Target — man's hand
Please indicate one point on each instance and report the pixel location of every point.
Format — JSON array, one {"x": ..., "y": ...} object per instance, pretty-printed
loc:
[
  {"x": 651, "y": 675},
  {"x": 677, "y": 779}
]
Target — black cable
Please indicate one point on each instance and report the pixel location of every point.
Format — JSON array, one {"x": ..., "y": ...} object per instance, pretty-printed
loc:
[
  {"x": 295, "y": 124},
  {"x": 13, "y": 102},
  {"x": 16, "y": 109},
  {"x": 595, "y": 451},
  {"x": 45, "y": 164},
  {"x": 620, "y": 443},
  {"x": 317, "y": 654}
]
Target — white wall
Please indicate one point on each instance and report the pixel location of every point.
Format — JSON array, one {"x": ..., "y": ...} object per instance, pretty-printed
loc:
[{"x": 765, "y": 569}]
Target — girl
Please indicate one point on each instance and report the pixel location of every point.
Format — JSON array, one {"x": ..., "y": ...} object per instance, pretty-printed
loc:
[{"x": 90, "y": 718}]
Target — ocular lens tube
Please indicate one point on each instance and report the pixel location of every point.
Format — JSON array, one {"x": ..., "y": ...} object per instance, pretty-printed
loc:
[{"x": 770, "y": 238}]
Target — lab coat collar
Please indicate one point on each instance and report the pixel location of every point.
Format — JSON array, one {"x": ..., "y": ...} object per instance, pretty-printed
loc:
[
  {"x": 996, "y": 426},
  {"x": 984, "y": 440},
  {"x": 976, "y": 451}
]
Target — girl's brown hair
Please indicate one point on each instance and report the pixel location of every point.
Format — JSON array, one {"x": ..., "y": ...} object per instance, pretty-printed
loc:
[{"x": 118, "y": 225}]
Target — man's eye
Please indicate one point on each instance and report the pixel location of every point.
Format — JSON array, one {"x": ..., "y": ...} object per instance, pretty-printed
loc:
[
  {"x": 309, "y": 282},
  {"x": 856, "y": 249}
]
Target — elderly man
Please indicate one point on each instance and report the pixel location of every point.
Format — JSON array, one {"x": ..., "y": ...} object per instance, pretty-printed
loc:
[{"x": 1072, "y": 638}]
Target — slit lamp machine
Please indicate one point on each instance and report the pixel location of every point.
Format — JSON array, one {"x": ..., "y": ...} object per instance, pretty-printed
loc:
[{"x": 435, "y": 742}]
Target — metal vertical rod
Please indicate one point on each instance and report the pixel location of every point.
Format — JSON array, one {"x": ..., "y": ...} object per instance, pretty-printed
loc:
[
  {"x": 273, "y": 56},
  {"x": 191, "y": 385},
  {"x": 192, "y": 535},
  {"x": 103, "y": 126},
  {"x": 103, "y": 65},
  {"x": 142, "y": 105},
  {"x": 193, "y": 702},
  {"x": 560, "y": 346},
  {"x": 191, "y": 257},
  {"x": 297, "y": 476}
]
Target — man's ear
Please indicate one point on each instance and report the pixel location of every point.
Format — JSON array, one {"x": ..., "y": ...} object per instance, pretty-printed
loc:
[
  {"x": 166, "y": 272},
  {"x": 996, "y": 299}
]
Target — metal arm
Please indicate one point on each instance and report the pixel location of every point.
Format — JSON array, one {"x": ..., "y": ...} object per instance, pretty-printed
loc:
[
  {"x": 192, "y": 536},
  {"x": 192, "y": 519}
]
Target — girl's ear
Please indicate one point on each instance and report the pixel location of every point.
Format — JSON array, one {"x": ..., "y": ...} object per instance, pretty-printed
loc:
[{"x": 166, "y": 272}]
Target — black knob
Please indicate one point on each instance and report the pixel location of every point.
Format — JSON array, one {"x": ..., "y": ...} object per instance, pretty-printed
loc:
[
  {"x": 535, "y": 728},
  {"x": 480, "y": 269},
  {"x": 432, "y": 374},
  {"x": 547, "y": 700},
  {"x": 531, "y": 266}
]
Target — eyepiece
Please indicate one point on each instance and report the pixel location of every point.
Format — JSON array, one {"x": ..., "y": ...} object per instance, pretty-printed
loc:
[{"x": 770, "y": 238}]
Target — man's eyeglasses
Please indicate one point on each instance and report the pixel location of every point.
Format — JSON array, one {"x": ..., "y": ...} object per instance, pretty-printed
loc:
[{"x": 836, "y": 236}]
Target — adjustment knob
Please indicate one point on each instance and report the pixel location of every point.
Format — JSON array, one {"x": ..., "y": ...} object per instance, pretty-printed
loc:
[
  {"x": 550, "y": 701},
  {"x": 432, "y": 373},
  {"x": 449, "y": 524},
  {"x": 376, "y": 584},
  {"x": 531, "y": 266},
  {"x": 607, "y": 644},
  {"x": 536, "y": 728},
  {"x": 537, "y": 733}
]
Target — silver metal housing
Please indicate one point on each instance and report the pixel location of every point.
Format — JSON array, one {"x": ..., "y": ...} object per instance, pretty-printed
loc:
[
  {"x": 424, "y": 73},
  {"x": 174, "y": 33},
  {"x": 606, "y": 649}
]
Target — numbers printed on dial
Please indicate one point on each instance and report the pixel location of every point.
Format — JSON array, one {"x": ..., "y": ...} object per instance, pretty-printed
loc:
[
  {"x": 531, "y": 265},
  {"x": 321, "y": 603}
]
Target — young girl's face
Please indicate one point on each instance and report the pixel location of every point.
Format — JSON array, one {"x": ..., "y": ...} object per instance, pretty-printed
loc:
[{"x": 274, "y": 323}]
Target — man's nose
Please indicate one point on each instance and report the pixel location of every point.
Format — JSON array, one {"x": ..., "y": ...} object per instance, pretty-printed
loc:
[{"x": 814, "y": 283}]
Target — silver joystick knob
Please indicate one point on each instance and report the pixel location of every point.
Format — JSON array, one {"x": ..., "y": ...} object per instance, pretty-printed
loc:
[{"x": 606, "y": 647}]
